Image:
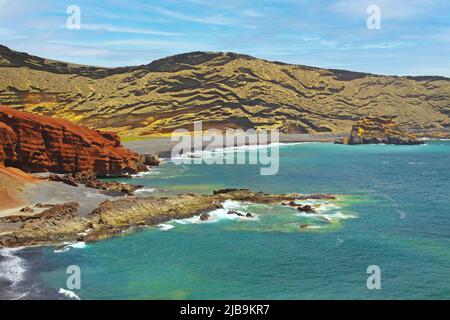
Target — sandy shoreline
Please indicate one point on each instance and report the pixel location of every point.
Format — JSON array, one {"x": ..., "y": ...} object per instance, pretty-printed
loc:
[
  {"x": 47, "y": 192},
  {"x": 163, "y": 145}
]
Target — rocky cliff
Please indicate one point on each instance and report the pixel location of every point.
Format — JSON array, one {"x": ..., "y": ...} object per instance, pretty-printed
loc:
[
  {"x": 36, "y": 143},
  {"x": 222, "y": 90},
  {"x": 373, "y": 130}
]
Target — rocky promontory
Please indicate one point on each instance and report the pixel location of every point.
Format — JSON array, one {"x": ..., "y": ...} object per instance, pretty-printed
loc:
[
  {"x": 37, "y": 143},
  {"x": 377, "y": 130},
  {"x": 64, "y": 223}
]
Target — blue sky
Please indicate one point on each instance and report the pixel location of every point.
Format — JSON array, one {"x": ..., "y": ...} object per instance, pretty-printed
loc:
[{"x": 414, "y": 38}]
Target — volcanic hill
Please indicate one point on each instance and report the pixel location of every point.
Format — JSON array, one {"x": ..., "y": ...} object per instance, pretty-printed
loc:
[{"x": 221, "y": 89}]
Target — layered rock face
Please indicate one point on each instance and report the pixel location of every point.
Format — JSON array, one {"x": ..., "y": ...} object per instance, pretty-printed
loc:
[
  {"x": 7, "y": 141},
  {"x": 224, "y": 90},
  {"x": 375, "y": 130},
  {"x": 36, "y": 143}
]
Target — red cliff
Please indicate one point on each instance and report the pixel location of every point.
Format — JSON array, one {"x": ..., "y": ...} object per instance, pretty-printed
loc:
[{"x": 36, "y": 143}]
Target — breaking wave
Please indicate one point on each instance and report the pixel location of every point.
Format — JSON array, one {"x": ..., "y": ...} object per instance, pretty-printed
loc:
[{"x": 69, "y": 294}]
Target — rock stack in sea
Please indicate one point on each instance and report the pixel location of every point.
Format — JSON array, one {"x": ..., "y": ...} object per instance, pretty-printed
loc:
[{"x": 376, "y": 130}]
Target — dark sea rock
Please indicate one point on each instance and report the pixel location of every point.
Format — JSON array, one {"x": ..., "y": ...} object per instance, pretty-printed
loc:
[
  {"x": 235, "y": 212},
  {"x": 204, "y": 216},
  {"x": 306, "y": 208}
]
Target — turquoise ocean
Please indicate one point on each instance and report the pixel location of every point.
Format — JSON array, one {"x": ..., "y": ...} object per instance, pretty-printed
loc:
[{"x": 393, "y": 211}]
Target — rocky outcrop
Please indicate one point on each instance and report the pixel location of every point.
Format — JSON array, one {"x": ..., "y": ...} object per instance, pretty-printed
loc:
[
  {"x": 36, "y": 143},
  {"x": 64, "y": 223},
  {"x": 89, "y": 180},
  {"x": 151, "y": 160},
  {"x": 306, "y": 208},
  {"x": 60, "y": 222},
  {"x": 204, "y": 216},
  {"x": 235, "y": 213},
  {"x": 376, "y": 130}
]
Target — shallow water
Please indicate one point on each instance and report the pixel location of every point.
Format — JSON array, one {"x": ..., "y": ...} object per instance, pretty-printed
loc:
[{"x": 393, "y": 212}]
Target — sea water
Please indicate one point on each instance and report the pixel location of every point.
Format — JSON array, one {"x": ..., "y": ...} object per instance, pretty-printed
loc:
[{"x": 393, "y": 211}]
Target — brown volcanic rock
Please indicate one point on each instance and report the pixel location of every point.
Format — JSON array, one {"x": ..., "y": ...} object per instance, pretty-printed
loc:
[
  {"x": 91, "y": 181},
  {"x": 7, "y": 141},
  {"x": 61, "y": 222},
  {"x": 36, "y": 143},
  {"x": 375, "y": 130}
]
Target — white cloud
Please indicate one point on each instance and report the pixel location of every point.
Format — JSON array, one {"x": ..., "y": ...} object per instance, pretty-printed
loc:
[
  {"x": 175, "y": 46},
  {"x": 14, "y": 9},
  {"x": 389, "y": 8},
  {"x": 384, "y": 45},
  {"x": 252, "y": 13},
  {"x": 117, "y": 29},
  {"x": 212, "y": 19}
]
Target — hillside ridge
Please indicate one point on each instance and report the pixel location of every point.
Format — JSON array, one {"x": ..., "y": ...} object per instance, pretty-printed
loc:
[{"x": 224, "y": 90}]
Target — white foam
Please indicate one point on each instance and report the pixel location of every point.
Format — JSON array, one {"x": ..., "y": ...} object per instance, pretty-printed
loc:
[
  {"x": 314, "y": 227},
  {"x": 63, "y": 249},
  {"x": 254, "y": 147},
  {"x": 69, "y": 294},
  {"x": 12, "y": 267},
  {"x": 221, "y": 151},
  {"x": 340, "y": 215},
  {"x": 150, "y": 172},
  {"x": 69, "y": 245},
  {"x": 318, "y": 205},
  {"x": 326, "y": 207},
  {"x": 435, "y": 139},
  {"x": 145, "y": 190},
  {"x": 78, "y": 245},
  {"x": 165, "y": 227},
  {"x": 330, "y": 217},
  {"x": 221, "y": 214},
  {"x": 234, "y": 205}
]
